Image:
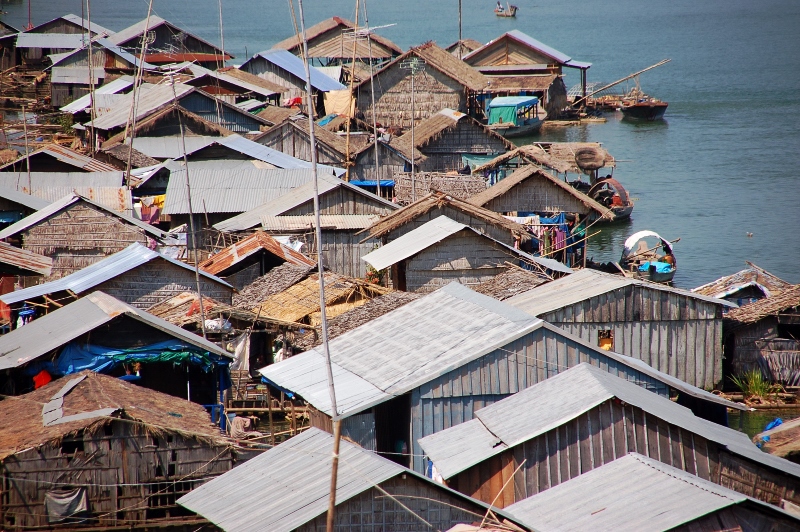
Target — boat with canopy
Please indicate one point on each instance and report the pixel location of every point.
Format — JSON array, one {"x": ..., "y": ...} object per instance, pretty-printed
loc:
[
  {"x": 514, "y": 116},
  {"x": 648, "y": 256}
]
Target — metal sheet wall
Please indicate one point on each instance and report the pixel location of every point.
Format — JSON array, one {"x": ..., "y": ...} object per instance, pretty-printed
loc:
[{"x": 361, "y": 429}]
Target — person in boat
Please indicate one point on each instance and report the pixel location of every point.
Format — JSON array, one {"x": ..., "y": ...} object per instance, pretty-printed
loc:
[{"x": 499, "y": 6}]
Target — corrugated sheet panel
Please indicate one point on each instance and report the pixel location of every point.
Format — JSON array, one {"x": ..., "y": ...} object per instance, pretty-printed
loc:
[
  {"x": 76, "y": 75},
  {"x": 32, "y": 202},
  {"x": 112, "y": 87},
  {"x": 583, "y": 285},
  {"x": 24, "y": 259},
  {"x": 61, "y": 41},
  {"x": 125, "y": 35},
  {"x": 83, "y": 23},
  {"x": 259, "y": 241},
  {"x": 19, "y": 180},
  {"x": 150, "y": 97},
  {"x": 84, "y": 280},
  {"x": 540, "y": 46},
  {"x": 418, "y": 342},
  {"x": 631, "y": 493},
  {"x": 413, "y": 242},
  {"x": 294, "y": 65},
  {"x": 201, "y": 71},
  {"x": 170, "y": 147},
  {"x": 117, "y": 199},
  {"x": 57, "y": 328},
  {"x": 74, "y": 158},
  {"x": 221, "y": 191},
  {"x": 327, "y": 221}
]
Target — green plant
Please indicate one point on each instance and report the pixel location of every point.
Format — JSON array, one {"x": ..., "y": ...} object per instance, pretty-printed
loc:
[{"x": 753, "y": 384}]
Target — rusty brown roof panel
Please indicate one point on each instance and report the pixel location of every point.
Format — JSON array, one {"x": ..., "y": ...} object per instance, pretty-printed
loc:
[
  {"x": 227, "y": 258},
  {"x": 22, "y": 259}
]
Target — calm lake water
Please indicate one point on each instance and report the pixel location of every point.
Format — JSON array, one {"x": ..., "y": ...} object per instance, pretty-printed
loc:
[{"x": 722, "y": 164}]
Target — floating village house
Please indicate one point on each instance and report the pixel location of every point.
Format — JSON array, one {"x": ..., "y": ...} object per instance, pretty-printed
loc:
[
  {"x": 77, "y": 232},
  {"x": 531, "y": 190},
  {"x": 236, "y": 86},
  {"x": 443, "y": 250},
  {"x": 102, "y": 453},
  {"x": 167, "y": 43},
  {"x": 103, "y": 188},
  {"x": 518, "y": 64},
  {"x": 664, "y": 498},
  {"x": 446, "y": 137},
  {"x": 331, "y": 42},
  {"x": 437, "y": 360},
  {"x": 345, "y": 209},
  {"x": 285, "y": 69},
  {"x": 136, "y": 275},
  {"x": 60, "y": 35},
  {"x": 583, "y": 418},
  {"x": 675, "y": 331},
  {"x": 445, "y": 83},
  {"x": 765, "y": 336},
  {"x": 749, "y": 285},
  {"x": 101, "y": 333},
  {"x": 372, "y": 493}
]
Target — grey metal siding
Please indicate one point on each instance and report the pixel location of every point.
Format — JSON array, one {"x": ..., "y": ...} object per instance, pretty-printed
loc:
[
  {"x": 454, "y": 397},
  {"x": 360, "y": 428},
  {"x": 207, "y": 108}
]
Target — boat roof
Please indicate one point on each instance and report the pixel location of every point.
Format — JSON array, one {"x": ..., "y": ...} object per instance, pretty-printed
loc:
[{"x": 513, "y": 101}]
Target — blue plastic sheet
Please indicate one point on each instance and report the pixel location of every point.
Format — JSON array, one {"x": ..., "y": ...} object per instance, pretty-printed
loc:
[{"x": 661, "y": 267}]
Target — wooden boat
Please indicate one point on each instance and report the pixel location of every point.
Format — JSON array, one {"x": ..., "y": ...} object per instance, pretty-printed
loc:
[
  {"x": 514, "y": 116},
  {"x": 637, "y": 105},
  {"x": 508, "y": 11},
  {"x": 648, "y": 256},
  {"x": 611, "y": 194}
]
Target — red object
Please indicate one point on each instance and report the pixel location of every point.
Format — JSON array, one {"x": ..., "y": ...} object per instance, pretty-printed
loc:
[
  {"x": 41, "y": 378},
  {"x": 294, "y": 101}
]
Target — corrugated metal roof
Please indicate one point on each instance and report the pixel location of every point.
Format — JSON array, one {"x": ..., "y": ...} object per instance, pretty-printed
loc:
[
  {"x": 150, "y": 97},
  {"x": 25, "y": 259},
  {"x": 51, "y": 331},
  {"x": 222, "y": 76},
  {"x": 68, "y": 156},
  {"x": 85, "y": 24},
  {"x": 454, "y": 324},
  {"x": 529, "y": 41},
  {"x": 76, "y": 75},
  {"x": 291, "y": 199},
  {"x": 631, "y": 493},
  {"x": 296, "y": 473},
  {"x": 117, "y": 199},
  {"x": 135, "y": 30},
  {"x": 219, "y": 263},
  {"x": 32, "y": 202},
  {"x": 233, "y": 191},
  {"x": 106, "y": 44},
  {"x": 170, "y": 147},
  {"x": 85, "y": 101},
  {"x": 61, "y": 41},
  {"x": 586, "y": 284},
  {"x": 57, "y": 206},
  {"x": 294, "y": 65},
  {"x": 84, "y": 280},
  {"x": 561, "y": 398},
  {"x": 19, "y": 180},
  {"x": 433, "y": 232},
  {"x": 327, "y": 221},
  {"x": 251, "y": 105}
]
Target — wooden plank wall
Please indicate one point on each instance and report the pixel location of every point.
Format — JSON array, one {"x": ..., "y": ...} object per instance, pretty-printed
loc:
[
  {"x": 455, "y": 396},
  {"x": 610, "y": 431},
  {"x": 508, "y": 52},
  {"x": 537, "y": 194},
  {"x": 498, "y": 233},
  {"x": 78, "y": 237},
  {"x": 444, "y": 153},
  {"x": 287, "y": 139},
  {"x": 746, "y": 354},
  {"x": 676, "y": 334},
  {"x": 342, "y": 200},
  {"x": 465, "y": 257},
  {"x": 372, "y": 510},
  {"x": 120, "y": 471},
  {"x": 389, "y": 164},
  {"x": 157, "y": 280}
]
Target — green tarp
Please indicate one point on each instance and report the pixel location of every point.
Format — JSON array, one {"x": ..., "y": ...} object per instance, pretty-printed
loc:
[{"x": 503, "y": 115}]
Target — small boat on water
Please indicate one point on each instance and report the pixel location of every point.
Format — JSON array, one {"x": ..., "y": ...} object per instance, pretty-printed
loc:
[
  {"x": 637, "y": 105},
  {"x": 514, "y": 116},
  {"x": 508, "y": 11},
  {"x": 648, "y": 256},
  {"x": 611, "y": 194}
]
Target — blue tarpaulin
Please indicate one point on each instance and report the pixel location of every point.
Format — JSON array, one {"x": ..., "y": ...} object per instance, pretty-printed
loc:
[
  {"x": 661, "y": 267},
  {"x": 373, "y": 183}
]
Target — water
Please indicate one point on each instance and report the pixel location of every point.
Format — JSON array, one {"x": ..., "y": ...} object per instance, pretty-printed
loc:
[
  {"x": 755, "y": 422},
  {"x": 721, "y": 165}
]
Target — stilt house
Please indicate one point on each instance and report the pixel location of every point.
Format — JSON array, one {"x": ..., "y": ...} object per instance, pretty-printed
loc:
[
  {"x": 675, "y": 331},
  {"x": 437, "y": 360},
  {"x": 583, "y": 418},
  {"x": 744, "y": 287},
  {"x": 103, "y": 454}
]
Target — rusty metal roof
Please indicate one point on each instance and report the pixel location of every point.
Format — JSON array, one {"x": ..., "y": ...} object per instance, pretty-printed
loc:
[
  {"x": 68, "y": 156},
  {"x": 229, "y": 257},
  {"x": 22, "y": 259}
]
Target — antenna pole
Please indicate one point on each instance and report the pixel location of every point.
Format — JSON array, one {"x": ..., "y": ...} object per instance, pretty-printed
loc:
[
  {"x": 372, "y": 94},
  {"x": 27, "y": 152},
  {"x": 337, "y": 431},
  {"x": 460, "y": 40},
  {"x": 131, "y": 123}
]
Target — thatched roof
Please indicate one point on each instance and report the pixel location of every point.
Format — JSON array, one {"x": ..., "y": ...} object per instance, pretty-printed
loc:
[
  {"x": 120, "y": 152},
  {"x": 514, "y": 280},
  {"x": 444, "y": 62},
  {"x": 276, "y": 115},
  {"x": 527, "y": 172},
  {"x": 530, "y": 153},
  {"x": 21, "y": 418},
  {"x": 338, "y": 45},
  {"x": 750, "y": 276},
  {"x": 787, "y": 300},
  {"x": 275, "y": 281},
  {"x": 437, "y": 125},
  {"x": 300, "y": 302},
  {"x": 436, "y": 200},
  {"x": 356, "y": 317},
  {"x": 253, "y": 79}
]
